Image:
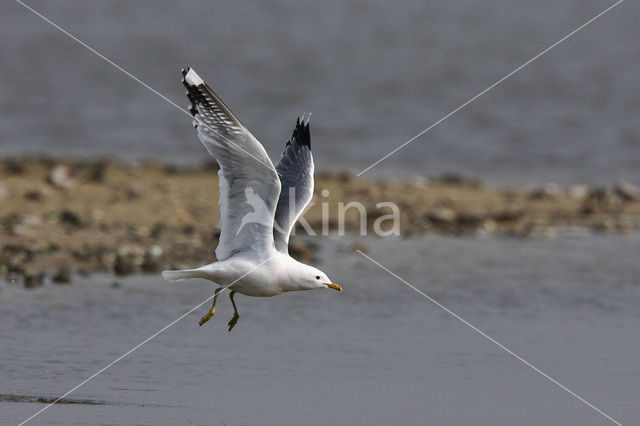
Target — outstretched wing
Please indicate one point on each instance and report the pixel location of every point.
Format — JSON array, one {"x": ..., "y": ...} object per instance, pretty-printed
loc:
[
  {"x": 243, "y": 163},
  {"x": 295, "y": 170}
]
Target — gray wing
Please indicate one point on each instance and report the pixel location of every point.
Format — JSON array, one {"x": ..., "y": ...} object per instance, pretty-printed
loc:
[
  {"x": 249, "y": 184},
  {"x": 295, "y": 170}
]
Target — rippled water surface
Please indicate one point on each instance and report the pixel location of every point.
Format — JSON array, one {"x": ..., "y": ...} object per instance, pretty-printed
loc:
[
  {"x": 378, "y": 353},
  {"x": 373, "y": 75}
]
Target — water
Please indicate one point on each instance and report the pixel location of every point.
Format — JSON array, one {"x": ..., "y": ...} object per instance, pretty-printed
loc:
[
  {"x": 377, "y": 353},
  {"x": 372, "y": 75}
]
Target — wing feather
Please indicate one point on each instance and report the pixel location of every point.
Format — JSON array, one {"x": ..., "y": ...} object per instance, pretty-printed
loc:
[
  {"x": 295, "y": 170},
  {"x": 243, "y": 164}
]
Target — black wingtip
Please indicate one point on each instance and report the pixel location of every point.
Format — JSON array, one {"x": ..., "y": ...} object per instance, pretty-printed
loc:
[
  {"x": 192, "y": 93},
  {"x": 301, "y": 133}
]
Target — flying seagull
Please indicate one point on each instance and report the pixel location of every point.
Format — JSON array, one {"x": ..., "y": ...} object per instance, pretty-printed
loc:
[{"x": 259, "y": 204}]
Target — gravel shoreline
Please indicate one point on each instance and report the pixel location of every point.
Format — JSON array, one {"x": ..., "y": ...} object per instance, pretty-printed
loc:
[{"x": 62, "y": 217}]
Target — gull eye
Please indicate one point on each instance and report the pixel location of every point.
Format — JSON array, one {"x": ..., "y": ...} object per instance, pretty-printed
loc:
[{"x": 317, "y": 277}]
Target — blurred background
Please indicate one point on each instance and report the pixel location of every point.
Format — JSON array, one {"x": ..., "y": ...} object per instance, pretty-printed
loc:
[
  {"x": 550, "y": 271},
  {"x": 373, "y": 75}
]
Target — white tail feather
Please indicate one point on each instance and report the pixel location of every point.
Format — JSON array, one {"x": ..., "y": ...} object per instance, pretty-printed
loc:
[{"x": 182, "y": 274}]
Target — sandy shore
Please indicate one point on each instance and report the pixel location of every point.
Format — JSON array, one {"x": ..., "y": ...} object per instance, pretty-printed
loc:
[{"x": 58, "y": 217}]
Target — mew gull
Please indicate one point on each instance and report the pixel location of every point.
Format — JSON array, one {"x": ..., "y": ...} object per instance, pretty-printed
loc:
[{"x": 259, "y": 204}]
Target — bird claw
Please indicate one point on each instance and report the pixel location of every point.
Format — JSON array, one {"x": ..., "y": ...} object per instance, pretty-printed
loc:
[{"x": 233, "y": 321}]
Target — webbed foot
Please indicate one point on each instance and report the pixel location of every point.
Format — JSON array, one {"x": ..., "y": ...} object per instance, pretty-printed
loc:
[
  {"x": 233, "y": 321},
  {"x": 212, "y": 311},
  {"x": 207, "y": 317}
]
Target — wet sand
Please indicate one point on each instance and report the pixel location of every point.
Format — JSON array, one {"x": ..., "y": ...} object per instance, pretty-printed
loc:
[{"x": 60, "y": 217}]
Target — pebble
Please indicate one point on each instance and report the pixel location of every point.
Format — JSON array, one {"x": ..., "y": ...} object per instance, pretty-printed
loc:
[
  {"x": 69, "y": 217},
  {"x": 601, "y": 200},
  {"x": 129, "y": 259},
  {"x": 627, "y": 191},
  {"x": 489, "y": 225},
  {"x": 548, "y": 191},
  {"x": 62, "y": 276},
  {"x": 471, "y": 218},
  {"x": 153, "y": 259},
  {"x": 34, "y": 280},
  {"x": 158, "y": 230},
  {"x": 26, "y": 226},
  {"x": 508, "y": 215},
  {"x": 133, "y": 192},
  {"x": 98, "y": 171},
  {"x": 578, "y": 192},
  {"x": 452, "y": 178},
  {"x": 606, "y": 224},
  {"x": 442, "y": 215},
  {"x": 60, "y": 177},
  {"x": 188, "y": 229},
  {"x": 345, "y": 177},
  {"x": 33, "y": 195},
  {"x": 14, "y": 167},
  {"x": 419, "y": 181}
]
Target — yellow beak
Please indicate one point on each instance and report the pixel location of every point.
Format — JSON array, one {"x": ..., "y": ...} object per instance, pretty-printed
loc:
[{"x": 334, "y": 286}]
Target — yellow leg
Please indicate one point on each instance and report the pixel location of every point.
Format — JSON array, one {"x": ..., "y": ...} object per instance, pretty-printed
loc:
[
  {"x": 236, "y": 315},
  {"x": 213, "y": 308}
]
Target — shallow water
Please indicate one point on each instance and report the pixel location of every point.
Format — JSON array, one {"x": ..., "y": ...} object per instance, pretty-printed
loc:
[
  {"x": 372, "y": 75},
  {"x": 378, "y": 353}
]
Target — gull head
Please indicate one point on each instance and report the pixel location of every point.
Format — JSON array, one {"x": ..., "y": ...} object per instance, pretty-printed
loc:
[{"x": 313, "y": 278}]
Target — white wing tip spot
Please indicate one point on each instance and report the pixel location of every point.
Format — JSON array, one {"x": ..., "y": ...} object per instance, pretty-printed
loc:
[{"x": 192, "y": 78}]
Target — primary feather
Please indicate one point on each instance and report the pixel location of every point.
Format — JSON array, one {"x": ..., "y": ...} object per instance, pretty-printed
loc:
[{"x": 295, "y": 170}]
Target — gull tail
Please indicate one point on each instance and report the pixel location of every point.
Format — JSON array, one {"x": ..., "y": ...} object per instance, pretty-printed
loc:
[{"x": 182, "y": 274}]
